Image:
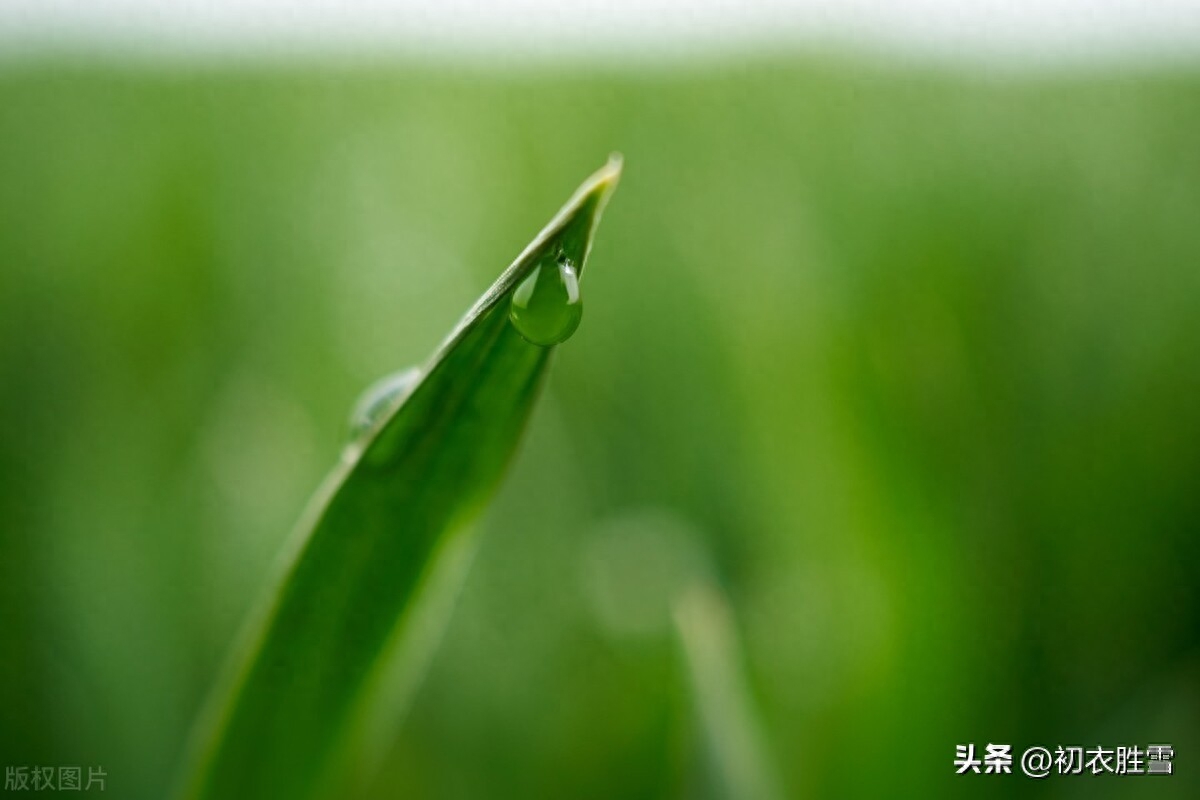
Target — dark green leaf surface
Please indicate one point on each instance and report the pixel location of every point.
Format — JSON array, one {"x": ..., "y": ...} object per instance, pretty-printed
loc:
[{"x": 319, "y": 666}]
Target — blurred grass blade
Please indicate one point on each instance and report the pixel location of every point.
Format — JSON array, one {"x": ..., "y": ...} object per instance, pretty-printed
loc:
[
  {"x": 332, "y": 649},
  {"x": 739, "y": 761}
]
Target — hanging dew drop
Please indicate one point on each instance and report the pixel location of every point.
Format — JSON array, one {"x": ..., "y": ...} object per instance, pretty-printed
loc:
[
  {"x": 546, "y": 307},
  {"x": 378, "y": 399}
]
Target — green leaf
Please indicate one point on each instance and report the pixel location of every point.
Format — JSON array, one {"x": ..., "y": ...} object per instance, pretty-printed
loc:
[{"x": 328, "y": 663}]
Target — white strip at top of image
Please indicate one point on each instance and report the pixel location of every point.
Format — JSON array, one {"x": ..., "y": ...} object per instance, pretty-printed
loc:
[{"x": 1021, "y": 31}]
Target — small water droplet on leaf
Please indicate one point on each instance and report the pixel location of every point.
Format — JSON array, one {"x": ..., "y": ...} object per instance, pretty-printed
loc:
[
  {"x": 546, "y": 307},
  {"x": 378, "y": 398}
]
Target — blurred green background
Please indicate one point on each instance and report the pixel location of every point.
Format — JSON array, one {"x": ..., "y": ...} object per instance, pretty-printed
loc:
[{"x": 908, "y": 357}]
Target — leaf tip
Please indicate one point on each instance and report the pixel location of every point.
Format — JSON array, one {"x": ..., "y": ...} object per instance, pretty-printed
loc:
[{"x": 604, "y": 180}]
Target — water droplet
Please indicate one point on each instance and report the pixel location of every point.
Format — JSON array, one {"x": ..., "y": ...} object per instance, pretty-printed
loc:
[
  {"x": 379, "y": 398},
  {"x": 546, "y": 307}
]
